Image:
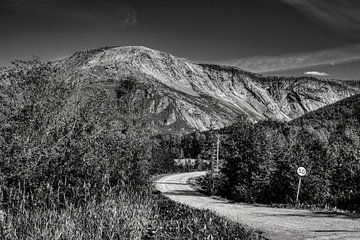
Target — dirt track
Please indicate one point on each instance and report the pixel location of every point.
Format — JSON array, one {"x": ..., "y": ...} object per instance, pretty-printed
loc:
[{"x": 279, "y": 223}]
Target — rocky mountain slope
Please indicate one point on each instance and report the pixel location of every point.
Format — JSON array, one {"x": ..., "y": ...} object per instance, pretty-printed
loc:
[{"x": 177, "y": 95}]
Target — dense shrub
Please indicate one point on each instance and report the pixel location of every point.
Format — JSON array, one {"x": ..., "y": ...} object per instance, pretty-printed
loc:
[{"x": 59, "y": 134}]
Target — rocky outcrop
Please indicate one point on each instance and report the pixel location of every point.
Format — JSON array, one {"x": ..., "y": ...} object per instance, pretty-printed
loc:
[{"x": 177, "y": 95}]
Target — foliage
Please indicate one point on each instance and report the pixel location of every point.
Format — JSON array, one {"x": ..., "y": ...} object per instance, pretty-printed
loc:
[
  {"x": 261, "y": 159},
  {"x": 59, "y": 133}
]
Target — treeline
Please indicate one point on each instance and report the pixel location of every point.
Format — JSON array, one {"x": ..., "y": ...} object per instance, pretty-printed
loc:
[{"x": 260, "y": 160}]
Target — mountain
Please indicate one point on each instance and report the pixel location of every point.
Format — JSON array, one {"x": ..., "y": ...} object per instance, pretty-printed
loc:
[{"x": 174, "y": 94}]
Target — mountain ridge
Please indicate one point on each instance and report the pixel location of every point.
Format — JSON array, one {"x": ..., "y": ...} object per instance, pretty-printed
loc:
[{"x": 178, "y": 95}]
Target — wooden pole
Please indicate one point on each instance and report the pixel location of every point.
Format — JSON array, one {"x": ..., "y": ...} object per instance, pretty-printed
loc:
[
  {"x": 212, "y": 164},
  {"x": 217, "y": 153}
]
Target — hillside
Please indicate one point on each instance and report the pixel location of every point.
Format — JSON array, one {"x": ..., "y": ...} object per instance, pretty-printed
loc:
[
  {"x": 176, "y": 95},
  {"x": 344, "y": 111}
]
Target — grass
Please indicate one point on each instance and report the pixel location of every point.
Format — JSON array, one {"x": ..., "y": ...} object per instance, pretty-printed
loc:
[{"x": 126, "y": 214}]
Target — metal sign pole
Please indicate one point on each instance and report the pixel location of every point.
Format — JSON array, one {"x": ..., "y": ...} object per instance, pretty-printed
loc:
[
  {"x": 298, "y": 191},
  {"x": 301, "y": 171}
]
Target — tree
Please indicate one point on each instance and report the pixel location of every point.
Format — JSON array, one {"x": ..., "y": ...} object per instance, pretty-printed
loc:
[{"x": 59, "y": 134}]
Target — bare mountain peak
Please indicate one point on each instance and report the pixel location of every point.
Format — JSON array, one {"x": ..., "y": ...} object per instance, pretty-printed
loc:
[
  {"x": 199, "y": 96},
  {"x": 112, "y": 55}
]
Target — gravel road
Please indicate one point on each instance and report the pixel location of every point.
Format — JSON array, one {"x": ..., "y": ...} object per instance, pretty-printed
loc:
[{"x": 278, "y": 223}]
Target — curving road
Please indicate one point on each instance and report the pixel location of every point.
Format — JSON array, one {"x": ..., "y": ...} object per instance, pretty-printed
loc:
[{"x": 278, "y": 223}]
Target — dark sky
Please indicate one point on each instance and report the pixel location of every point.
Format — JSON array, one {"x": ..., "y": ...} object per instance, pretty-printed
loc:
[{"x": 232, "y": 32}]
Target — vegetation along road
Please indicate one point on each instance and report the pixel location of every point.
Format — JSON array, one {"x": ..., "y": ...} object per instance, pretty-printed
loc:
[{"x": 279, "y": 223}]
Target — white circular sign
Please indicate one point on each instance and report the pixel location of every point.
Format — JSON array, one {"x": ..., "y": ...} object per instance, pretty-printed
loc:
[{"x": 301, "y": 171}]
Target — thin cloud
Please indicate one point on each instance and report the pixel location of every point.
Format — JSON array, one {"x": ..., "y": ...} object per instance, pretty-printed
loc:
[
  {"x": 262, "y": 64},
  {"x": 343, "y": 16},
  {"x": 316, "y": 73}
]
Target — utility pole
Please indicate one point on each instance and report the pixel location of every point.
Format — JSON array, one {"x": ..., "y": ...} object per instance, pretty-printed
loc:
[
  {"x": 217, "y": 153},
  {"x": 215, "y": 169}
]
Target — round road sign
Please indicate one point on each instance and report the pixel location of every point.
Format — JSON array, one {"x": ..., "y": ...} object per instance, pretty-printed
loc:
[{"x": 301, "y": 171}]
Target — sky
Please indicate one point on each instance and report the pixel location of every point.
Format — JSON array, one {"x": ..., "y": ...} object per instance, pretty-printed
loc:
[{"x": 300, "y": 37}]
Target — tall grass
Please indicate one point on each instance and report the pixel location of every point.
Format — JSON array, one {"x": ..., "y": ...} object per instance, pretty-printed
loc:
[{"x": 116, "y": 214}]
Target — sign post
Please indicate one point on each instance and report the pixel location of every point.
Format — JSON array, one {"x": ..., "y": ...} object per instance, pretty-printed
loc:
[{"x": 301, "y": 171}]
